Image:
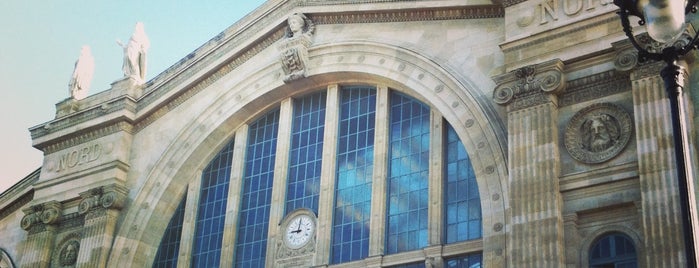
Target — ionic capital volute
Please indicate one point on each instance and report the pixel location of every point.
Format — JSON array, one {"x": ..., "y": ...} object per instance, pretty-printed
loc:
[
  {"x": 104, "y": 197},
  {"x": 544, "y": 78},
  {"x": 48, "y": 213}
]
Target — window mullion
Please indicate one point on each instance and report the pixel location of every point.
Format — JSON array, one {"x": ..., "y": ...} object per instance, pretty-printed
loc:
[
  {"x": 377, "y": 237},
  {"x": 281, "y": 169},
  {"x": 327, "y": 177},
  {"x": 436, "y": 183},
  {"x": 189, "y": 223},
  {"x": 233, "y": 203}
]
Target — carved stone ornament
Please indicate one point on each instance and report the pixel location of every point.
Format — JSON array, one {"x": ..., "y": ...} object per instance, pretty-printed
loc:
[
  {"x": 529, "y": 80},
  {"x": 626, "y": 60},
  {"x": 5, "y": 260},
  {"x": 68, "y": 254},
  {"x": 598, "y": 133},
  {"x": 294, "y": 48},
  {"x": 104, "y": 197},
  {"x": 48, "y": 213}
]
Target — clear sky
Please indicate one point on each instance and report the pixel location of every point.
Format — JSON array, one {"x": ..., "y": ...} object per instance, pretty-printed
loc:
[{"x": 41, "y": 40}]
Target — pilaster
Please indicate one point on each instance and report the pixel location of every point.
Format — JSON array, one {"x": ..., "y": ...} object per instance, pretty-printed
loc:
[
  {"x": 40, "y": 221},
  {"x": 101, "y": 207},
  {"x": 230, "y": 234},
  {"x": 536, "y": 231},
  {"x": 660, "y": 204}
]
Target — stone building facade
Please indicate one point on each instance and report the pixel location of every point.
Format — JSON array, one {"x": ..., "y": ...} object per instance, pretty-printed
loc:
[{"x": 372, "y": 133}]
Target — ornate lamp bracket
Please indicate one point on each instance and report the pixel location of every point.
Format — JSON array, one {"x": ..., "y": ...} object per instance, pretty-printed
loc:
[{"x": 670, "y": 53}]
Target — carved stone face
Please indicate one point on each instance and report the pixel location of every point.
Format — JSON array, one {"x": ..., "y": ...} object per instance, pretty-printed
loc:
[
  {"x": 296, "y": 24},
  {"x": 599, "y": 133}
]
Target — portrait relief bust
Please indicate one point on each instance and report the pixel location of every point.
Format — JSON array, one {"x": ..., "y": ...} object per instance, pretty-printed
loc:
[{"x": 598, "y": 133}]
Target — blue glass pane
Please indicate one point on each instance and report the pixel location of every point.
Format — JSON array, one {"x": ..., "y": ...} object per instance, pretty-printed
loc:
[
  {"x": 251, "y": 244},
  {"x": 306, "y": 153},
  {"x": 355, "y": 161},
  {"x": 212, "y": 210},
  {"x": 613, "y": 250},
  {"x": 463, "y": 206},
  {"x": 170, "y": 245},
  {"x": 468, "y": 261},
  {"x": 410, "y": 265},
  {"x": 408, "y": 174}
]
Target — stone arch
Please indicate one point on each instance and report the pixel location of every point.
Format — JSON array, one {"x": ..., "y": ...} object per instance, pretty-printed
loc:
[
  {"x": 586, "y": 244},
  {"x": 341, "y": 63}
]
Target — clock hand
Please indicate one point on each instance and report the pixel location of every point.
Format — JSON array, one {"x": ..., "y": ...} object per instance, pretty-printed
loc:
[{"x": 299, "y": 228}]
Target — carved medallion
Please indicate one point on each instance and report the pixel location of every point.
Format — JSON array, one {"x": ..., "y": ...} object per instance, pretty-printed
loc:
[
  {"x": 69, "y": 253},
  {"x": 598, "y": 133}
]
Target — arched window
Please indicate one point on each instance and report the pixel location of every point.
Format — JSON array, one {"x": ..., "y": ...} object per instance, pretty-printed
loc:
[
  {"x": 614, "y": 250},
  {"x": 397, "y": 180},
  {"x": 170, "y": 244}
]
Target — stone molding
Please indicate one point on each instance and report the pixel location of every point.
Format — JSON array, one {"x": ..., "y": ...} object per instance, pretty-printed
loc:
[
  {"x": 38, "y": 216},
  {"x": 88, "y": 136},
  {"x": 594, "y": 87},
  {"x": 98, "y": 199},
  {"x": 225, "y": 42},
  {"x": 530, "y": 85},
  {"x": 422, "y": 14},
  {"x": 567, "y": 32},
  {"x": 15, "y": 205}
]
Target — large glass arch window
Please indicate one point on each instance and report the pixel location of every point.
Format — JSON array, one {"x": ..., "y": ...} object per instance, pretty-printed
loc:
[
  {"x": 408, "y": 174},
  {"x": 212, "y": 209},
  {"x": 397, "y": 180},
  {"x": 615, "y": 250},
  {"x": 251, "y": 246}
]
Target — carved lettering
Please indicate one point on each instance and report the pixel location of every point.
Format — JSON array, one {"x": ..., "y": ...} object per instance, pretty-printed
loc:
[
  {"x": 549, "y": 10},
  {"x": 567, "y": 7},
  {"x": 79, "y": 156}
]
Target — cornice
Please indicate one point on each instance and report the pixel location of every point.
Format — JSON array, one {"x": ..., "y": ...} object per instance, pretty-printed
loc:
[
  {"x": 594, "y": 87},
  {"x": 211, "y": 53}
]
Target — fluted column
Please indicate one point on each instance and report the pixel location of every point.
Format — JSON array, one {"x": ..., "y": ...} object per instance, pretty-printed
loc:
[
  {"x": 662, "y": 229},
  {"x": 101, "y": 208},
  {"x": 536, "y": 229},
  {"x": 40, "y": 222}
]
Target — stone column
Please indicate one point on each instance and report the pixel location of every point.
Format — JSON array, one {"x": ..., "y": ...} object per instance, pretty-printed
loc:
[
  {"x": 662, "y": 228},
  {"x": 101, "y": 208},
  {"x": 536, "y": 230},
  {"x": 436, "y": 183},
  {"x": 40, "y": 221}
]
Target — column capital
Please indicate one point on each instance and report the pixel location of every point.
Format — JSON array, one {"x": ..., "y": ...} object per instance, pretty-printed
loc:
[
  {"x": 111, "y": 196},
  {"x": 530, "y": 85},
  {"x": 41, "y": 215}
]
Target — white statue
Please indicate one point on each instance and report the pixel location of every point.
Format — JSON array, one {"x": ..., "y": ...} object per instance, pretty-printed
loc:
[
  {"x": 135, "y": 54},
  {"x": 82, "y": 74}
]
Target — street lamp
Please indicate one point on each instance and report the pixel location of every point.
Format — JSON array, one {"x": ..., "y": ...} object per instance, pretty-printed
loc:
[{"x": 665, "y": 23}]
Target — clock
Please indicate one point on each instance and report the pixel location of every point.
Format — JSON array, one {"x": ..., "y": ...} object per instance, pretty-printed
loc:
[{"x": 299, "y": 229}]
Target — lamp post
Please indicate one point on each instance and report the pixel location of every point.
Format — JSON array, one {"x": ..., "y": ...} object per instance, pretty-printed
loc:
[{"x": 665, "y": 20}]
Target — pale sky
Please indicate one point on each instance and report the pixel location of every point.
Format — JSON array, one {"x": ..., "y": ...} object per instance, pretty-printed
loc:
[{"x": 41, "y": 40}]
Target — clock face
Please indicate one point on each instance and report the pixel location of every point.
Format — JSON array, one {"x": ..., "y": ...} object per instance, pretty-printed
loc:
[{"x": 299, "y": 231}]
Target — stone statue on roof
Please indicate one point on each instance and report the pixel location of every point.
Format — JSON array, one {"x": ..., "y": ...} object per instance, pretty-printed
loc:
[
  {"x": 135, "y": 50},
  {"x": 82, "y": 74}
]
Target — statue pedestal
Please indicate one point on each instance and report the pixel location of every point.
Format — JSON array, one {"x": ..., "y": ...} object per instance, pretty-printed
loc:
[{"x": 128, "y": 86}]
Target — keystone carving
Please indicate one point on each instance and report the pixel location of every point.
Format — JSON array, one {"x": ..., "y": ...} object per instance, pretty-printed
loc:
[
  {"x": 103, "y": 197},
  {"x": 528, "y": 81},
  {"x": 294, "y": 48},
  {"x": 48, "y": 213}
]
